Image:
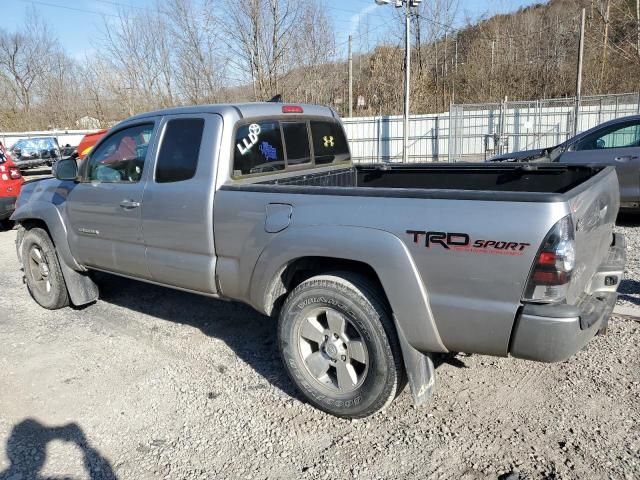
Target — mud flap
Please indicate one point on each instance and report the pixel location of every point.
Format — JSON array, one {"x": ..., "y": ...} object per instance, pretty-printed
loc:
[
  {"x": 82, "y": 289},
  {"x": 420, "y": 370}
]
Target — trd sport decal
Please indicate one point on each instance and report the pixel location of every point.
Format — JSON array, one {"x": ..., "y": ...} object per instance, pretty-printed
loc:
[{"x": 462, "y": 242}]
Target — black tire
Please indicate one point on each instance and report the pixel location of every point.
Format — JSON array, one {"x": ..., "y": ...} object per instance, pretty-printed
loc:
[
  {"x": 373, "y": 378},
  {"x": 6, "y": 225},
  {"x": 42, "y": 270}
]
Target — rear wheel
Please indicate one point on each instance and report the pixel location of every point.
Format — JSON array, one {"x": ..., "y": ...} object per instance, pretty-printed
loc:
[
  {"x": 42, "y": 270},
  {"x": 339, "y": 345}
]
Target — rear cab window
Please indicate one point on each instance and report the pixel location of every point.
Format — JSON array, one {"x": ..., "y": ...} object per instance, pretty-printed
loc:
[
  {"x": 329, "y": 143},
  {"x": 258, "y": 149},
  {"x": 279, "y": 145}
]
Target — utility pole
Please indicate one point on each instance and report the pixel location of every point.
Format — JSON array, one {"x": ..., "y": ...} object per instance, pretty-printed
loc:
[
  {"x": 455, "y": 72},
  {"x": 445, "y": 72},
  {"x": 579, "y": 73},
  {"x": 638, "y": 23},
  {"x": 407, "y": 79},
  {"x": 350, "y": 77},
  {"x": 407, "y": 4},
  {"x": 493, "y": 49}
]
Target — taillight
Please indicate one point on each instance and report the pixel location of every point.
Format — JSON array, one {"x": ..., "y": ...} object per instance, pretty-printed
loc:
[
  {"x": 14, "y": 173},
  {"x": 551, "y": 272},
  {"x": 292, "y": 109}
]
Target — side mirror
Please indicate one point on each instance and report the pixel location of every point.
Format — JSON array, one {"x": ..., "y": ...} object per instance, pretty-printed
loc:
[
  {"x": 600, "y": 143},
  {"x": 66, "y": 169}
]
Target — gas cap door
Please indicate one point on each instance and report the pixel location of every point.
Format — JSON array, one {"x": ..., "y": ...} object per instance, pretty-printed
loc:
[{"x": 278, "y": 217}]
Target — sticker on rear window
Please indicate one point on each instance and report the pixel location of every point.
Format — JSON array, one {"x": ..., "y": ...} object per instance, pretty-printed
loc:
[{"x": 250, "y": 140}]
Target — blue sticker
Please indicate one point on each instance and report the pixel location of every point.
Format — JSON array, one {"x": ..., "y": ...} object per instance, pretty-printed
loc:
[{"x": 268, "y": 151}]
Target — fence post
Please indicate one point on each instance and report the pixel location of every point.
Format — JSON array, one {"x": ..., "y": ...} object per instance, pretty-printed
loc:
[
  {"x": 600, "y": 111},
  {"x": 449, "y": 148},
  {"x": 378, "y": 139},
  {"x": 503, "y": 107}
]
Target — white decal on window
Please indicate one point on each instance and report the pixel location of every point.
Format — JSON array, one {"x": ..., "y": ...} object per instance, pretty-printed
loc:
[
  {"x": 254, "y": 131},
  {"x": 328, "y": 141}
]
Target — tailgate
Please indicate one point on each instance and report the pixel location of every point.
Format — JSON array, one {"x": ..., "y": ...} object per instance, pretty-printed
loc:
[{"x": 594, "y": 210}]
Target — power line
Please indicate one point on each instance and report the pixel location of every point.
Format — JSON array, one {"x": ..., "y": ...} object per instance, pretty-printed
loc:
[
  {"x": 117, "y": 4},
  {"x": 374, "y": 29},
  {"x": 65, "y": 7}
]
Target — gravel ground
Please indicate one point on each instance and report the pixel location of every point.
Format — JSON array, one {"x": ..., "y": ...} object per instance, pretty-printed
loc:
[
  {"x": 153, "y": 383},
  {"x": 629, "y": 226}
]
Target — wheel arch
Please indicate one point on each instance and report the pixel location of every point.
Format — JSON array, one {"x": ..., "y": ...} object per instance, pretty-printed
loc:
[
  {"x": 298, "y": 253},
  {"x": 47, "y": 216},
  {"x": 82, "y": 289}
]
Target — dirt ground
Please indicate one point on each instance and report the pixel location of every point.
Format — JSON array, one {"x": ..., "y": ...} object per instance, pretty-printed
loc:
[{"x": 153, "y": 383}]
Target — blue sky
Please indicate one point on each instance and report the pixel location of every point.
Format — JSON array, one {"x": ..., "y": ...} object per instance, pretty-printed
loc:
[{"x": 75, "y": 22}]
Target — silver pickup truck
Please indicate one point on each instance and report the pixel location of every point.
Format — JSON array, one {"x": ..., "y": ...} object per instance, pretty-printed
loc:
[{"x": 369, "y": 269}]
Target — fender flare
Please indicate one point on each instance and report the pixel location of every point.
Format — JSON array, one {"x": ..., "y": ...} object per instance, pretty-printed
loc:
[
  {"x": 381, "y": 250},
  {"x": 82, "y": 289},
  {"x": 50, "y": 215}
]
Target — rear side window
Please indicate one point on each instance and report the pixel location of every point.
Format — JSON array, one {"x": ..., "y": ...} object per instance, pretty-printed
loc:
[
  {"x": 618, "y": 136},
  {"x": 258, "y": 149},
  {"x": 178, "y": 157},
  {"x": 329, "y": 142},
  {"x": 296, "y": 140}
]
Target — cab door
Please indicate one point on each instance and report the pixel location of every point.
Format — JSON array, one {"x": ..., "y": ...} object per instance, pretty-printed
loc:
[
  {"x": 617, "y": 145},
  {"x": 177, "y": 218},
  {"x": 104, "y": 209}
]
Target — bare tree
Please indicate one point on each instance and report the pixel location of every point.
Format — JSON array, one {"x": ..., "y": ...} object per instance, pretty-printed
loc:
[
  {"x": 200, "y": 63},
  {"x": 23, "y": 60},
  {"x": 260, "y": 35}
]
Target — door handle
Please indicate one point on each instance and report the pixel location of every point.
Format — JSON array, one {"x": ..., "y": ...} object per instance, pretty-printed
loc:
[
  {"x": 129, "y": 204},
  {"x": 625, "y": 158}
]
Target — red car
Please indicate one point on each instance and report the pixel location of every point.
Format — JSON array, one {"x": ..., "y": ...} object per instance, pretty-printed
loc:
[
  {"x": 10, "y": 184},
  {"x": 88, "y": 141}
]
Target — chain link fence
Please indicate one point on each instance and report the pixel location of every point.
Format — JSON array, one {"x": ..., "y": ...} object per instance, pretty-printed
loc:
[
  {"x": 475, "y": 132},
  {"x": 480, "y": 131}
]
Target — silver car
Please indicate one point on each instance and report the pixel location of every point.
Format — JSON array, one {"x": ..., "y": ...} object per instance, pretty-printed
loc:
[{"x": 616, "y": 143}]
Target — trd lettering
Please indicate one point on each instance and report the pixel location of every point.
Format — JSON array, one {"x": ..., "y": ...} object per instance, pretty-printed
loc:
[
  {"x": 514, "y": 246},
  {"x": 459, "y": 241},
  {"x": 443, "y": 239}
]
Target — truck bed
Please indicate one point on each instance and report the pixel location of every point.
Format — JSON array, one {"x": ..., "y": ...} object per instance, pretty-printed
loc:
[{"x": 528, "y": 182}]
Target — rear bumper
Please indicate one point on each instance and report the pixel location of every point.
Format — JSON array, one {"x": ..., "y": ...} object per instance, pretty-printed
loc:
[
  {"x": 7, "y": 206},
  {"x": 552, "y": 333}
]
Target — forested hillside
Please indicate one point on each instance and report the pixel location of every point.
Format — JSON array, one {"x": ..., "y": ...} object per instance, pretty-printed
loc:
[{"x": 187, "y": 52}]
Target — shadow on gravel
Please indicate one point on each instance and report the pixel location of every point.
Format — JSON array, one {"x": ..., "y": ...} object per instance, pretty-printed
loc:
[
  {"x": 630, "y": 291},
  {"x": 628, "y": 219},
  {"x": 452, "y": 359},
  {"x": 251, "y": 335},
  {"x": 27, "y": 451}
]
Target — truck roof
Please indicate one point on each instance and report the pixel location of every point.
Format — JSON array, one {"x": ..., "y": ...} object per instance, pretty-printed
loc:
[{"x": 250, "y": 109}]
